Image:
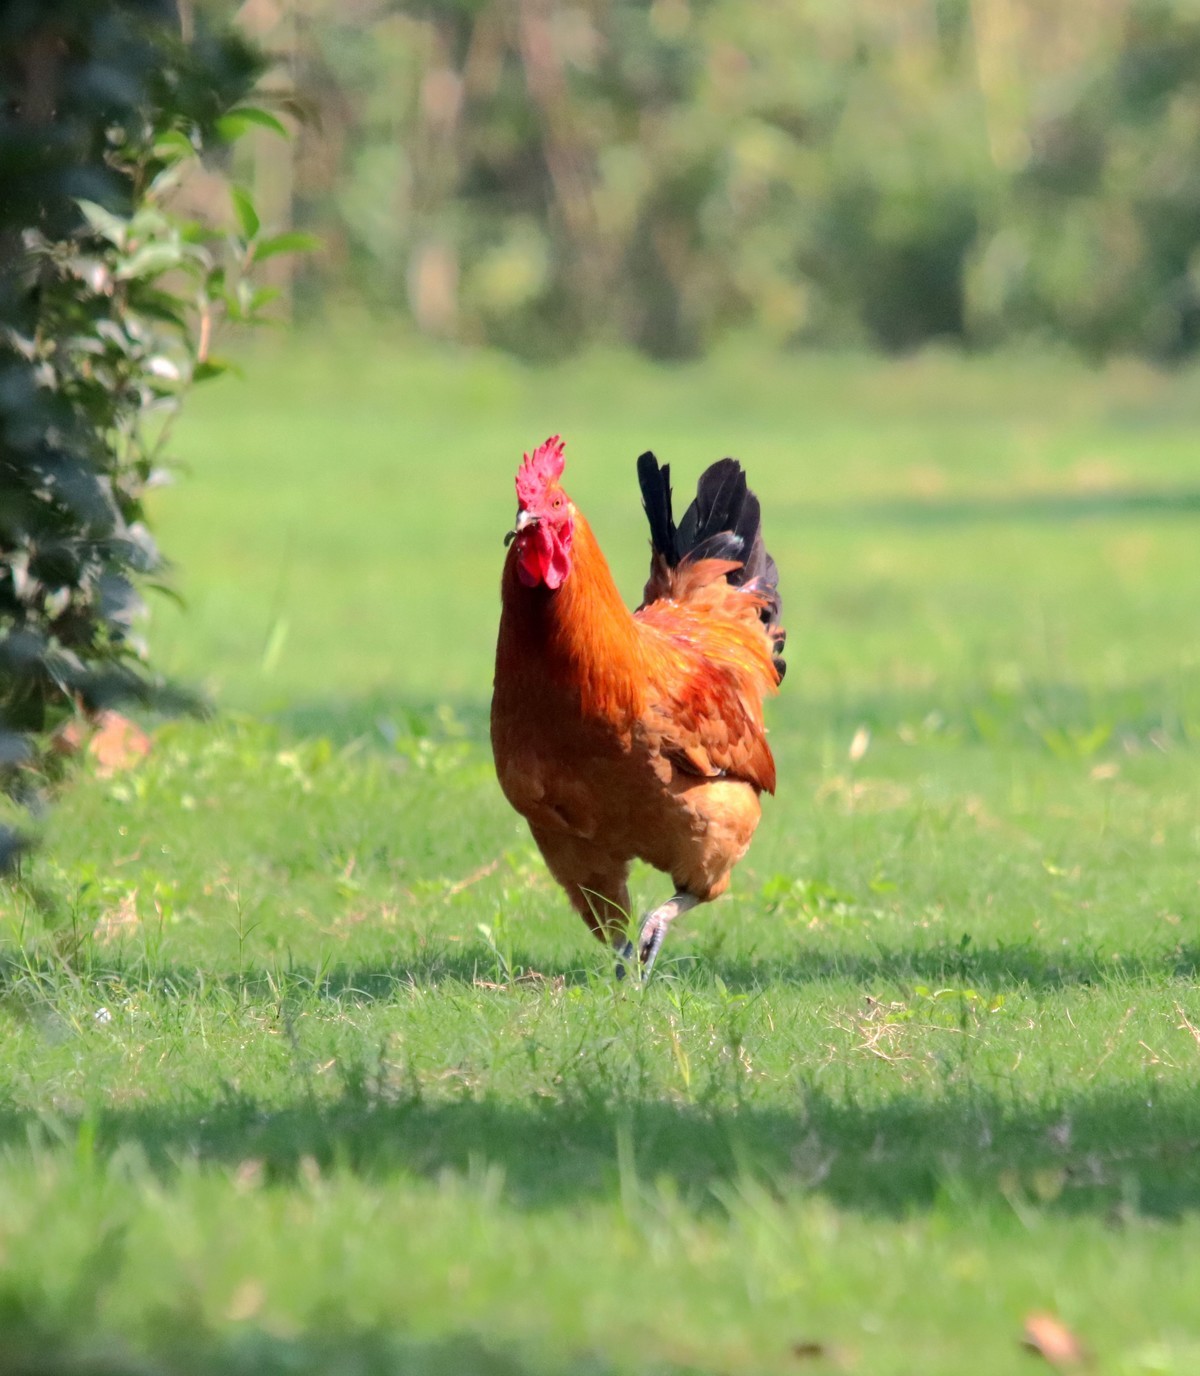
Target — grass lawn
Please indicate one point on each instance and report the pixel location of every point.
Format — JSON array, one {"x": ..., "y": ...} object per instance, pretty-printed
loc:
[{"x": 306, "y": 1067}]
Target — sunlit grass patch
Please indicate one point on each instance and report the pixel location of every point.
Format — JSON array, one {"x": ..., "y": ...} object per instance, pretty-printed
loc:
[{"x": 306, "y": 1065}]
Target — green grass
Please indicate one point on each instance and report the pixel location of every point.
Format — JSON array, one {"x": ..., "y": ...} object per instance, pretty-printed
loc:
[{"x": 306, "y": 1067}]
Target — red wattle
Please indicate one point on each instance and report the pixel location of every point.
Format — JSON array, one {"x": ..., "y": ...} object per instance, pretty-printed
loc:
[{"x": 543, "y": 556}]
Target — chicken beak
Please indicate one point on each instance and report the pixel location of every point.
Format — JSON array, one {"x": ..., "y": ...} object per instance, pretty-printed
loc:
[{"x": 525, "y": 519}]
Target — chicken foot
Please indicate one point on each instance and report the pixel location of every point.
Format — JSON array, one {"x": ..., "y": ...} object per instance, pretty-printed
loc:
[{"x": 654, "y": 931}]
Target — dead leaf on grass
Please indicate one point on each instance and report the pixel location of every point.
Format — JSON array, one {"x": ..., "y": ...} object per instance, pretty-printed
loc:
[
  {"x": 1050, "y": 1339},
  {"x": 69, "y": 738},
  {"x": 117, "y": 744}
]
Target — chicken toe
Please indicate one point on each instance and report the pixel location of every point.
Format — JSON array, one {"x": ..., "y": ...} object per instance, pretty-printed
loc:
[{"x": 654, "y": 931}]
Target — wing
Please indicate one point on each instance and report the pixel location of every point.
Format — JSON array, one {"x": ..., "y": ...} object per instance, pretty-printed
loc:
[{"x": 709, "y": 669}]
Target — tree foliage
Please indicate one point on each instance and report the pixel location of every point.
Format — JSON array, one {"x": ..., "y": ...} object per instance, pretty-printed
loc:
[
  {"x": 108, "y": 305},
  {"x": 538, "y": 175}
]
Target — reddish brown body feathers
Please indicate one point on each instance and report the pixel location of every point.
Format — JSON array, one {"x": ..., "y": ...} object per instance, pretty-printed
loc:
[{"x": 622, "y": 736}]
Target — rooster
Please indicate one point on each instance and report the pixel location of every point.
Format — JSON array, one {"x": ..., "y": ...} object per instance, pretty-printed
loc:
[{"x": 621, "y": 737}]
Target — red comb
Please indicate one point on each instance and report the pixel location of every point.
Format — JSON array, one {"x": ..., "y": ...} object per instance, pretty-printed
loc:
[{"x": 539, "y": 470}]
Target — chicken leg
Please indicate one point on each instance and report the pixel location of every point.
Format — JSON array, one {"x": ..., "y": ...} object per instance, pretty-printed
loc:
[{"x": 654, "y": 931}]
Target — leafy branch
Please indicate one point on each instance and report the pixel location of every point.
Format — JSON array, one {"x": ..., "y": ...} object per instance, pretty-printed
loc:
[{"x": 111, "y": 303}]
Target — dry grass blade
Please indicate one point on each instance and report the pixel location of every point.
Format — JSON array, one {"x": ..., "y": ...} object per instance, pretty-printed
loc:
[{"x": 118, "y": 921}]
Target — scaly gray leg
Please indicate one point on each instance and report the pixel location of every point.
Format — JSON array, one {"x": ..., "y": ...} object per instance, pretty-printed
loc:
[{"x": 654, "y": 930}]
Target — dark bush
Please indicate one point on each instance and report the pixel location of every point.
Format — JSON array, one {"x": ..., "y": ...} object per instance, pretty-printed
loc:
[{"x": 108, "y": 304}]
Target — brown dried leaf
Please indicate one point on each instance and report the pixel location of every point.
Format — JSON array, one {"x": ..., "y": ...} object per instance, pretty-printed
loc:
[
  {"x": 118, "y": 744},
  {"x": 1050, "y": 1339}
]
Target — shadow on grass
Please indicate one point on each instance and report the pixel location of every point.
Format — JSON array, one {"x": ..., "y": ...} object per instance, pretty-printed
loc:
[
  {"x": 988, "y": 970},
  {"x": 1000, "y": 969},
  {"x": 1110, "y": 1151},
  {"x": 61, "y": 1337}
]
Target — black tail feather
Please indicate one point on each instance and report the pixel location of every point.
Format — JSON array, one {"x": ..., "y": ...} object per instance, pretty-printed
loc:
[
  {"x": 719, "y": 501},
  {"x": 655, "y": 483},
  {"x": 724, "y": 521}
]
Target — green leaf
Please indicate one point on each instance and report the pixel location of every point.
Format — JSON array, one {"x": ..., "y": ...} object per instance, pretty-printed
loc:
[
  {"x": 263, "y": 297},
  {"x": 166, "y": 181},
  {"x": 198, "y": 256},
  {"x": 104, "y": 222},
  {"x": 243, "y": 207},
  {"x": 193, "y": 232},
  {"x": 161, "y": 305},
  {"x": 214, "y": 367},
  {"x": 163, "y": 366},
  {"x": 170, "y": 593},
  {"x": 150, "y": 222},
  {"x": 237, "y": 123},
  {"x": 149, "y": 261},
  {"x": 173, "y": 146},
  {"x": 291, "y": 241}
]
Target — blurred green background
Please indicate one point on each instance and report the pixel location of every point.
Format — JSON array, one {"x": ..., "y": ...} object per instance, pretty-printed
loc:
[{"x": 541, "y": 176}]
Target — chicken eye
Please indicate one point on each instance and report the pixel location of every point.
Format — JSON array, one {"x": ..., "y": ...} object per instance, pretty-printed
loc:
[{"x": 557, "y": 503}]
